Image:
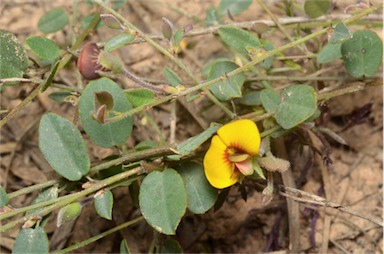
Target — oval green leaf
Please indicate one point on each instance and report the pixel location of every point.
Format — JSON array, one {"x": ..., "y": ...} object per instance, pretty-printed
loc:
[
  {"x": 363, "y": 54},
  {"x": 44, "y": 48},
  {"x": 234, "y": 7},
  {"x": 317, "y": 8},
  {"x": 118, "y": 41},
  {"x": 31, "y": 240},
  {"x": 331, "y": 52},
  {"x": 238, "y": 39},
  {"x": 230, "y": 87},
  {"x": 108, "y": 134},
  {"x": 104, "y": 204},
  {"x": 4, "y": 199},
  {"x": 13, "y": 53},
  {"x": 170, "y": 246},
  {"x": 213, "y": 17},
  {"x": 340, "y": 34},
  {"x": 163, "y": 200},
  {"x": 45, "y": 195},
  {"x": 270, "y": 100},
  {"x": 201, "y": 195},
  {"x": 140, "y": 97},
  {"x": 172, "y": 78},
  {"x": 63, "y": 147},
  {"x": 298, "y": 103},
  {"x": 53, "y": 21}
]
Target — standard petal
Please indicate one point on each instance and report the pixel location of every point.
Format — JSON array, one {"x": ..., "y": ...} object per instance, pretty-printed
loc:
[
  {"x": 219, "y": 171},
  {"x": 242, "y": 135}
]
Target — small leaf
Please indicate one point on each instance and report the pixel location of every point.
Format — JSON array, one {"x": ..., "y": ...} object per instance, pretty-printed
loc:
[
  {"x": 191, "y": 144},
  {"x": 63, "y": 147},
  {"x": 118, "y": 41},
  {"x": 53, "y": 21},
  {"x": 331, "y": 52},
  {"x": 170, "y": 246},
  {"x": 316, "y": 8},
  {"x": 111, "y": 133},
  {"x": 213, "y": 17},
  {"x": 234, "y": 7},
  {"x": 340, "y": 34},
  {"x": 86, "y": 21},
  {"x": 298, "y": 103},
  {"x": 111, "y": 21},
  {"x": 68, "y": 213},
  {"x": 44, "y": 48},
  {"x": 238, "y": 39},
  {"x": 140, "y": 97},
  {"x": 201, "y": 195},
  {"x": 163, "y": 200},
  {"x": 13, "y": 53},
  {"x": 172, "y": 78},
  {"x": 363, "y": 54},
  {"x": 270, "y": 100},
  {"x": 4, "y": 199},
  {"x": 59, "y": 96},
  {"x": 124, "y": 249},
  {"x": 31, "y": 240},
  {"x": 166, "y": 28},
  {"x": 230, "y": 87},
  {"x": 177, "y": 37},
  {"x": 104, "y": 204},
  {"x": 103, "y": 98},
  {"x": 45, "y": 195},
  {"x": 251, "y": 99}
]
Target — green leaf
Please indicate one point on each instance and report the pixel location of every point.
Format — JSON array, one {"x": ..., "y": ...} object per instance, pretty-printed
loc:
[
  {"x": 51, "y": 76},
  {"x": 172, "y": 78},
  {"x": 111, "y": 133},
  {"x": 13, "y": 53},
  {"x": 251, "y": 99},
  {"x": 213, "y": 17},
  {"x": 238, "y": 39},
  {"x": 124, "y": 249},
  {"x": 170, "y": 246},
  {"x": 45, "y": 195},
  {"x": 298, "y": 103},
  {"x": 363, "y": 54},
  {"x": 63, "y": 147},
  {"x": 270, "y": 100},
  {"x": 340, "y": 34},
  {"x": 118, "y": 41},
  {"x": 104, "y": 204},
  {"x": 201, "y": 195},
  {"x": 229, "y": 88},
  {"x": 86, "y": 21},
  {"x": 68, "y": 213},
  {"x": 140, "y": 97},
  {"x": 44, "y": 48},
  {"x": 53, "y": 21},
  {"x": 177, "y": 37},
  {"x": 317, "y": 8},
  {"x": 59, "y": 96},
  {"x": 163, "y": 200},
  {"x": 234, "y": 7},
  {"x": 31, "y": 240},
  {"x": 191, "y": 144},
  {"x": 331, "y": 52},
  {"x": 4, "y": 199}
]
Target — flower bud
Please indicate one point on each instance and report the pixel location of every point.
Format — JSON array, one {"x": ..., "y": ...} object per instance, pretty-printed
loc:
[{"x": 88, "y": 61}]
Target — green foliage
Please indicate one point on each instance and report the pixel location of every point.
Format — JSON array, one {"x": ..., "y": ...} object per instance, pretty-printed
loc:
[
  {"x": 68, "y": 213},
  {"x": 170, "y": 246},
  {"x": 238, "y": 39},
  {"x": 104, "y": 204},
  {"x": 118, "y": 41},
  {"x": 317, "y": 8},
  {"x": 63, "y": 147},
  {"x": 45, "y": 195},
  {"x": 3, "y": 197},
  {"x": 330, "y": 53},
  {"x": 172, "y": 78},
  {"x": 140, "y": 97},
  {"x": 201, "y": 195},
  {"x": 213, "y": 17},
  {"x": 53, "y": 21},
  {"x": 124, "y": 249},
  {"x": 31, "y": 240},
  {"x": 111, "y": 133},
  {"x": 234, "y": 7},
  {"x": 44, "y": 48},
  {"x": 163, "y": 200},
  {"x": 363, "y": 54},
  {"x": 340, "y": 33},
  {"x": 13, "y": 53}
]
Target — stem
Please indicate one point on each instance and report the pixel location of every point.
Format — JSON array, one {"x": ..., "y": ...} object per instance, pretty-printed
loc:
[
  {"x": 143, "y": 83},
  {"x": 32, "y": 188},
  {"x": 99, "y": 236}
]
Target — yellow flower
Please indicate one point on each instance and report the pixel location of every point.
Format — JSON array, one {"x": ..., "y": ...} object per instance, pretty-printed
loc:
[{"x": 229, "y": 158}]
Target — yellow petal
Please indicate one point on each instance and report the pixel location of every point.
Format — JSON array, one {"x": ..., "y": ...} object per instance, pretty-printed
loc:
[
  {"x": 243, "y": 135},
  {"x": 219, "y": 171}
]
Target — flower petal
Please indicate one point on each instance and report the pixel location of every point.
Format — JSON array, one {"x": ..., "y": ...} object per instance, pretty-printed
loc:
[
  {"x": 219, "y": 171},
  {"x": 242, "y": 135}
]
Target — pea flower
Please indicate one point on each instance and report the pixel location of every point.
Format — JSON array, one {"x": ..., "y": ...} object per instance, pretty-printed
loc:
[{"x": 229, "y": 158}]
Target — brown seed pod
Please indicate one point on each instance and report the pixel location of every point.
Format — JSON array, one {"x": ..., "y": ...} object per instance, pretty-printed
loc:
[{"x": 88, "y": 61}]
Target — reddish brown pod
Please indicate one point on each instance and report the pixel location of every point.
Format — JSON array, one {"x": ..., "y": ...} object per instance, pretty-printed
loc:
[{"x": 88, "y": 61}]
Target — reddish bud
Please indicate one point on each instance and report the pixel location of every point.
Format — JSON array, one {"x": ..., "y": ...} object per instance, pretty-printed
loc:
[{"x": 88, "y": 61}]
